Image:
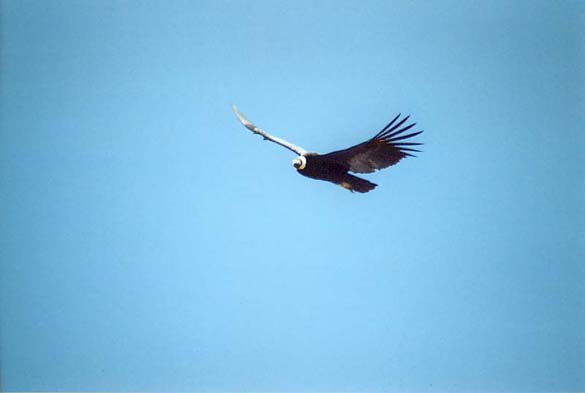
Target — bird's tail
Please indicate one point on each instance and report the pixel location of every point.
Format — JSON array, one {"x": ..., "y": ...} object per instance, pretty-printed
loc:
[{"x": 354, "y": 183}]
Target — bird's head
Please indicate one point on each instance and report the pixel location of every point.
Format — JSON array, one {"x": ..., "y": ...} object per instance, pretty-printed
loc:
[{"x": 300, "y": 162}]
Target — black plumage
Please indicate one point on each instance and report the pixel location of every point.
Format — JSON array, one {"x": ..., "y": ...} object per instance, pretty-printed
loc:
[
  {"x": 385, "y": 149},
  {"x": 321, "y": 167}
]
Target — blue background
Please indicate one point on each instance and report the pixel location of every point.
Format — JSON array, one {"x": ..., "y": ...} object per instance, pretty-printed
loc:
[{"x": 149, "y": 242}]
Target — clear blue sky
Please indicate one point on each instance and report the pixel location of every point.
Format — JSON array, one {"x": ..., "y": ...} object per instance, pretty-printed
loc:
[{"x": 151, "y": 243}]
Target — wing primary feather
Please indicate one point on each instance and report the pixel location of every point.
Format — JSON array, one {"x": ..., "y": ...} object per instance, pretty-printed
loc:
[
  {"x": 387, "y": 126},
  {"x": 408, "y": 144},
  {"x": 405, "y": 136},
  {"x": 400, "y": 131},
  {"x": 401, "y": 122},
  {"x": 403, "y": 149}
]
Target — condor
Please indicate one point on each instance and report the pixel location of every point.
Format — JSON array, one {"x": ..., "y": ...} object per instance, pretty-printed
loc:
[{"x": 385, "y": 149}]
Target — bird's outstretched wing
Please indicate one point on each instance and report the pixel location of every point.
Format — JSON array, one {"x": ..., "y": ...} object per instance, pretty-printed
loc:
[
  {"x": 248, "y": 124},
  {"x": 383, "y": 150}
]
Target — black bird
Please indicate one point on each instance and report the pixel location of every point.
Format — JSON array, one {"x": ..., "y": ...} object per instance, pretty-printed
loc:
[{"x": 386, "y": 148}]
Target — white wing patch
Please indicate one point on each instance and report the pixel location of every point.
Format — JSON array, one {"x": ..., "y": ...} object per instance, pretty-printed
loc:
[{"x": 362, "y": 164}]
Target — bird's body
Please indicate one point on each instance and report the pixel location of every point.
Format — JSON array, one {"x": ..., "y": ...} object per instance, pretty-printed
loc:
[
  {"x": 385, "y": 149},
  {"x": 323, "y": 168}
]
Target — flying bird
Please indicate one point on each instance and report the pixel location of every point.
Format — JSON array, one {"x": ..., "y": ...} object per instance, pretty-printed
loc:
[{"x": 385, "y": 149}]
